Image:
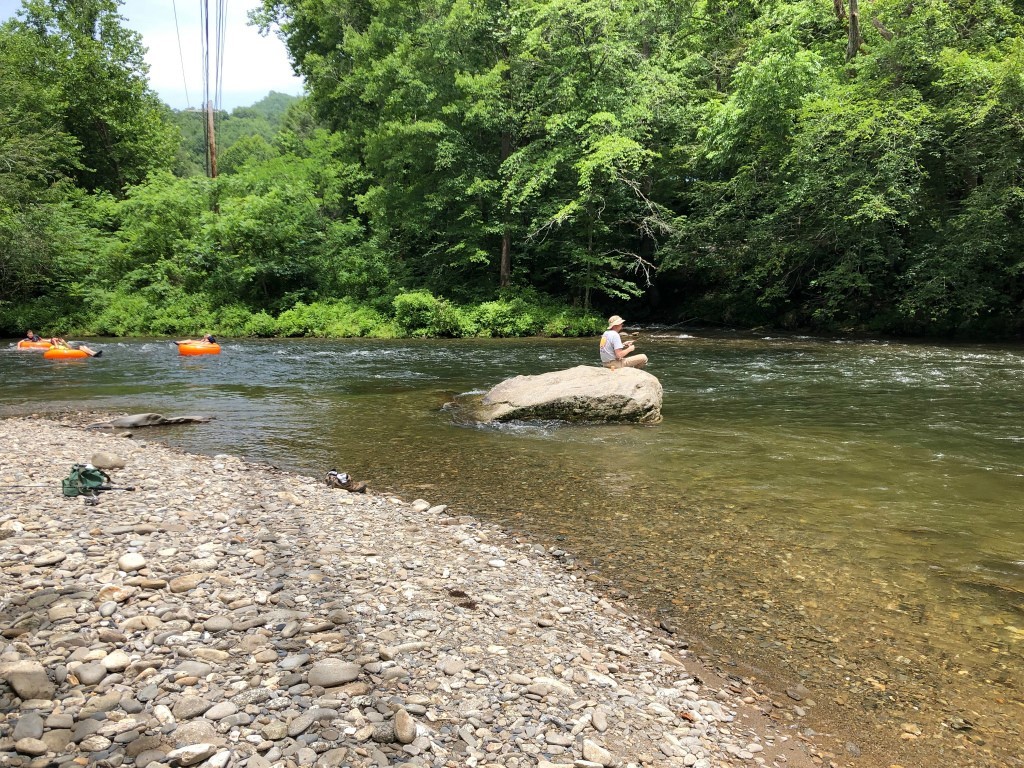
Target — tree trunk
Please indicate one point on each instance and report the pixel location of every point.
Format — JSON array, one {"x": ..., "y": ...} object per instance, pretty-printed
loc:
[
  {"x": 647, "y": 245},
  {"x": 505, "y": 268},
  {"x": 883, "y": 30},
  {"x": 853, "y": 43},
  {"x": 108, "y": 146},
  {"x": 506, "y": 236}
]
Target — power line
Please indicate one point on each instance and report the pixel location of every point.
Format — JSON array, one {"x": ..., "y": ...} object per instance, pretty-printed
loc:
[
  {"x": 204, "y": 36},
  {"x": 222, "y": 26},
  {"x": 212, "y": 102},
  {"x": 181, "y": 56}
]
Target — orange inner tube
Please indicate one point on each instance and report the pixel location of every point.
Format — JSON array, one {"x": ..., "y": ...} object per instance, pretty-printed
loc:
[
  {"x": 60, "y": 353},
  {"x": 26, "y": 344},
  {"x": 199, "y": 348}
]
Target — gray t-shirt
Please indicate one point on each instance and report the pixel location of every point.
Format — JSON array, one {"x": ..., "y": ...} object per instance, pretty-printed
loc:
[{"x": 610, "y": 341}]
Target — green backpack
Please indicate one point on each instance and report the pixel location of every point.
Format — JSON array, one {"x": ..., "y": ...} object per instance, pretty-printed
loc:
[{"x": 85, "y": 480}]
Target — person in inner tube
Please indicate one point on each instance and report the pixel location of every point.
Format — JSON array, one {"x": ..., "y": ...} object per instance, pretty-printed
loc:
[
  {"x": 615, "y": 354},
  {"x": 59, "y": 343},
  {"x": 31, "y": 335},
  {"x": 206, "y": 339}
]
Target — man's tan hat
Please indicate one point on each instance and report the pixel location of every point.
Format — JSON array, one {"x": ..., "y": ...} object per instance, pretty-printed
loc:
[{"x": 615, "y": 320}]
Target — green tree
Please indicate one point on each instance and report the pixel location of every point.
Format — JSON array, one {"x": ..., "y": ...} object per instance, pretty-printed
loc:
[{"x": 97, "y": 68}]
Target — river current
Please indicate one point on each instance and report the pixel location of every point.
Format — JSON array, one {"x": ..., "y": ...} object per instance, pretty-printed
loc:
[{"x": 839, "y": 518}]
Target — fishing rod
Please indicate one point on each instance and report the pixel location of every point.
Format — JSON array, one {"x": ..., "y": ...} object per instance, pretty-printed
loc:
[{"x": 98, "y": 488}]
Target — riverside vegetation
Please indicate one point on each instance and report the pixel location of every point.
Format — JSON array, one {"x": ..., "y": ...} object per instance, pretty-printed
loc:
[{"x": 515, "y": 167}]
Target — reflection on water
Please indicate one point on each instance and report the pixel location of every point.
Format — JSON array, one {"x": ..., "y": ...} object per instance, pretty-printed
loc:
[{"x": 846, "y": 514}]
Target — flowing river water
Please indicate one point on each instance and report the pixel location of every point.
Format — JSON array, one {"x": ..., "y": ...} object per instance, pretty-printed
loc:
[{"x": 841, "y": 520}]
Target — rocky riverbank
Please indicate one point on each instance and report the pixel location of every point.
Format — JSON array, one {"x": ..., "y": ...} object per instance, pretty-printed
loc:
[{"x": 228, "y": 614}]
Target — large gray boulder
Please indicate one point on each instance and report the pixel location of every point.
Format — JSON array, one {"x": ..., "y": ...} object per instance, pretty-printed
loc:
[{"x": 583, "y": 393}]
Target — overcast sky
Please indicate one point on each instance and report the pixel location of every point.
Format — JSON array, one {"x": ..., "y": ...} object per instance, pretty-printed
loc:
[{"x": 253, "y": 65}]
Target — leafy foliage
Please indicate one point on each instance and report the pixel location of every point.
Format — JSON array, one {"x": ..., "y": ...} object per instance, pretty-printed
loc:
[
  {"x": 510, "y": 167},
  {"x": 247, "y": 126},
  {"x": 95, "y": 75}
]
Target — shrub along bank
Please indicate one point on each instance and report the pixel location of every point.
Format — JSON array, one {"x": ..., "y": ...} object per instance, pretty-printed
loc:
[{"x": 416, "y": 313}]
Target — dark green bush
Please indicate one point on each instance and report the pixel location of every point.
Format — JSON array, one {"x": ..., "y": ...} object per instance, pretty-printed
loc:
[
  {"x": 122, "y": 315},
  {"x": 572, "y": 322},
  {"x": 414, "y": 311},
  {"x": 47, "y": 316},
  {"x": 506, "y": 318},
  {"x": 260, "y": 324},
  {"x": 332, "y": 320},
  {"x": 232, "y": 320}
]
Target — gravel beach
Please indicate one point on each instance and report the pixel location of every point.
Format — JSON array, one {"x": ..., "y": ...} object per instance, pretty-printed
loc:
[{"x": 229, "y": 614}]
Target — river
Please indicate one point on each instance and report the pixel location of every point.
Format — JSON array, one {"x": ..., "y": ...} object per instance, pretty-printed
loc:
[{"x": 838, "y": 516}]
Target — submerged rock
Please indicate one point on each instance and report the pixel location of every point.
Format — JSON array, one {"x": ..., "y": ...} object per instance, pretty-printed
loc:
[{"x": 583, "y": 393}]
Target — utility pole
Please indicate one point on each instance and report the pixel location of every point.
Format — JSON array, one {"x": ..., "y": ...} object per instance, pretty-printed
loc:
[{"x": 211, "y": 141}]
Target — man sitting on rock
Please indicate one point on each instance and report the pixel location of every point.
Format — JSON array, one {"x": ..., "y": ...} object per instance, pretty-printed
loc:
[{"x": 615, "y": 354}]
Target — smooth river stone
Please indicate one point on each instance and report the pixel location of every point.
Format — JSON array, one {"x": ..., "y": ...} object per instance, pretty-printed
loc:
[
  {"x": 595, "y": 753},
  {"x": 140, "y": 623},
  {"x": 104, "y": 460},
  {"x": 103, "y": 703},
  {"x": 211, "y": 654},
  {"x": 221, "y": 710},
  {"x": 49, "y": 558},
  {"x": 60, "y": 720},
  {"x": 188, "y": 707},
  {"x": 217, "y": 624},
  {"x": 61, "y": 612},
  {"x": 452, "y": 666},
  {"x": 148, "y": 693},
  {"x": 290, "y": 663},
  {"x": 331, "y": 672},
  {"x": 405, "y": 727},
  {"x": 252, "y": 696},
  {"x": 192, "y": 754},
  {"x": 28, "y": 679},
  {"x": 275, "y": 730},
  {"x": 31, "y": 747},
  {"x": 131, "y": 561},
  {"x": 57, "y": 740},
  {"x": 117, "y": 661},
  {"x": 186, "y": 583},
  {"x": 300, "y": 724},
  {"x": 194, "y": 668},
  {"x": 91, "y": 673},
  {"x": 94, "y": 743},
  {"x": 29, "y": 726}
]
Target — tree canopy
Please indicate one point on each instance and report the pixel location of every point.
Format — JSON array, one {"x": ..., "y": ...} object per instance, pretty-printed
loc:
[{"x": 842, "y": 167}]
